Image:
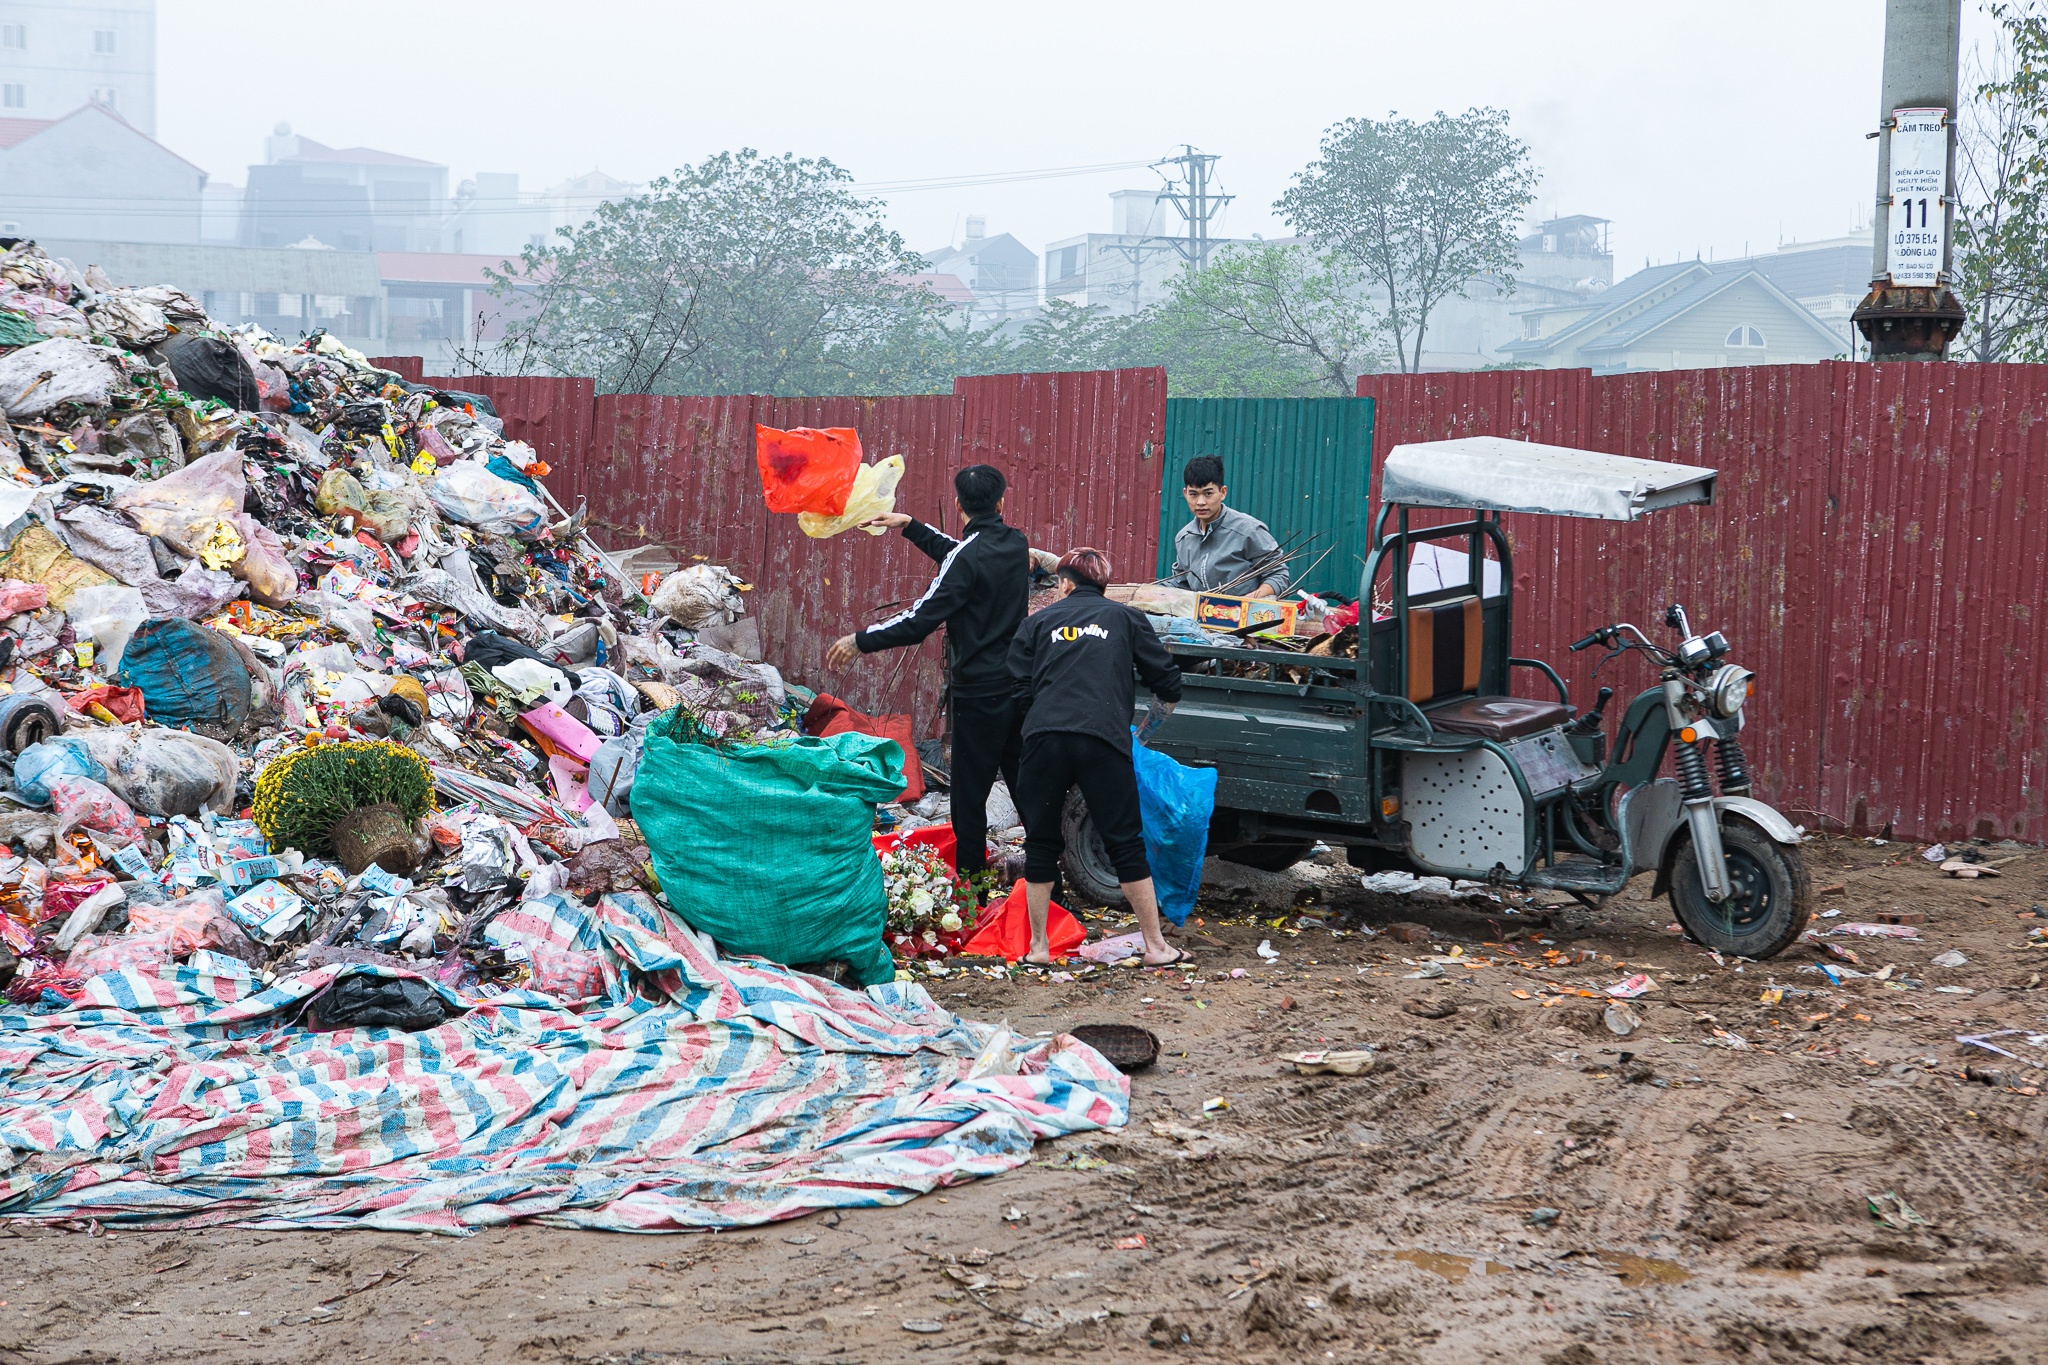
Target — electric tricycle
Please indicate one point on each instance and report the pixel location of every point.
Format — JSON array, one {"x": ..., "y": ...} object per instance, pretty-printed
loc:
[{"x": 1415, "y": 755}]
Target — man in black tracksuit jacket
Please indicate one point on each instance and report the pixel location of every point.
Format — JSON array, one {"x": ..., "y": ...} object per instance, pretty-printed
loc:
[
  {"x": 979, "y": 596},
  {"x": 1076, "y": 664}
]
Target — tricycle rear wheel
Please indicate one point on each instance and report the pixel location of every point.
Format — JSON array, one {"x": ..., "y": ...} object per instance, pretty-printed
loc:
[
  {"x": 1268, "y": 855},
  {"x": 1771, "y": 900},
  {"x": 1086, "y": 864}
]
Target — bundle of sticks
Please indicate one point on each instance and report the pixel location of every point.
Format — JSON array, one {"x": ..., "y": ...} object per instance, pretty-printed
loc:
[{"x": 1284, "y": 553}]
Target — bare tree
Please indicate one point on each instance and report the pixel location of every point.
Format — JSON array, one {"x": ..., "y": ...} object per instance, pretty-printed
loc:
[{"x": 2002, "y": 191}]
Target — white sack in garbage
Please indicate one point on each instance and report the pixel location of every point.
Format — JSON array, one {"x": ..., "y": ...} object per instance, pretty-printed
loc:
[
  {"x": 49, "y": 374},
  {"x": 471, "y": 494},
  {"x": 701, "y": 595}
]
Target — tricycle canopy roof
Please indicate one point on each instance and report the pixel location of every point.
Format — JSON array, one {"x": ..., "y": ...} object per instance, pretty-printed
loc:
[{"x": 1497, "y": 474}]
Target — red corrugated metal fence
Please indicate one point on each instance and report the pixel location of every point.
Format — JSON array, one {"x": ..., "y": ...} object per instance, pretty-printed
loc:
[
  {"x": 1081, "y": 452},
  {"x": 1870, "y": 554}
]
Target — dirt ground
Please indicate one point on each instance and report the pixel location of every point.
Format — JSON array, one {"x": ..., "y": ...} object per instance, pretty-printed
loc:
[{"x": 1511, "y": 1180}]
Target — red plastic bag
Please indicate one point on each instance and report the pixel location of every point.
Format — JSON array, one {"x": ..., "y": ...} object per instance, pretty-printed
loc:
[
  {"x": 62, "y": 897},
  {"x": 123, "y": 703},
  {"x": 807, "y": 470},
  {"x": 830, "y": 716},
  {"x": 82, "y": 801},
  {"x": 1005, "y": 930}
]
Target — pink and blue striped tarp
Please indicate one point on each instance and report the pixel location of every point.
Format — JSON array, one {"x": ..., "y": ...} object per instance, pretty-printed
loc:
[{"x": 694, "y": 1092}]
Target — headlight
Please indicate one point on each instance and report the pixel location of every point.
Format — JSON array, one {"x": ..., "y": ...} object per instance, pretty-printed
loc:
[{"x": 1729, "y": 688}]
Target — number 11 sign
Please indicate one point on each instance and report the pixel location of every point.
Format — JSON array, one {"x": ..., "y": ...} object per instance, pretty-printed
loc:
[{"x": 1919, "y": 224}]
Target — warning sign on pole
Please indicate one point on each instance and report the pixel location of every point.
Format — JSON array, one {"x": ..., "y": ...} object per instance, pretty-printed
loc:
[{"x": 1919, "y": 222}]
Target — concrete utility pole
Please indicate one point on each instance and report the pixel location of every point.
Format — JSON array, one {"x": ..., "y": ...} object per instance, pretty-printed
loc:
[
  {"x": 1190, "y": 195},
  {"x": 1910, "y": 313}
]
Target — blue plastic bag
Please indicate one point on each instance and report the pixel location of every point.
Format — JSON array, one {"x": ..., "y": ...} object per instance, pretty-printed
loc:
[
  {"x": 1175, "y": 803},
  {"x": 189, "y": 675},
  {"x": 41, "y": 764}
]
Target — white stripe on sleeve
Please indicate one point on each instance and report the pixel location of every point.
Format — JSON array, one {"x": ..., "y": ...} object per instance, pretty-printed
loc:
[{"x": 945, "y": 566}]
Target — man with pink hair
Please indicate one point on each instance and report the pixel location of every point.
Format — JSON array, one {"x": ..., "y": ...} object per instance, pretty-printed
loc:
[{"x": 1076, "y": 664}]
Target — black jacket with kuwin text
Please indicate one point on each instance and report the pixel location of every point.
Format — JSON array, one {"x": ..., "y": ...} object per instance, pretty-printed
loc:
[
  {"x": 979, "y": 596},
  {"x": 1075, "y": 666}
]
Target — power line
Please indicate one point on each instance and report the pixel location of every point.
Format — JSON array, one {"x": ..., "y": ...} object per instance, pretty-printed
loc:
[
  {"x": 142, "y": 204},
  {"x": 995, "y": 177}
]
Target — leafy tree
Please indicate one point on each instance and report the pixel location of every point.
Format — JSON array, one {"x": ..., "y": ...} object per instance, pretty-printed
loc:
[
  {"x": 1265, "y": 321},
  {"x": 920, "y": 352},
  {"x": 1422, "y": 209},
  {"x": 2001, "y": 221},
  {"x": 744, "y": 274},
  {"x": 1074, "y": 336}
]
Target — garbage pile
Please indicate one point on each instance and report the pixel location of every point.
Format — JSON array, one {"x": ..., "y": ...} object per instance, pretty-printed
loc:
[
  {"x": 302, "y": 665},
  {"x": 320, "y": 718}
]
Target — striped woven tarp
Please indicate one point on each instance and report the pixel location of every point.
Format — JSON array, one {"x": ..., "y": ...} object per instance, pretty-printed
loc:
[{"x": 694, "y": 1092}]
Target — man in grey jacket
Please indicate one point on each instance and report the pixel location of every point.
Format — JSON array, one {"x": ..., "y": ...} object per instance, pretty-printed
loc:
[{"x": 1223, "y": 549}]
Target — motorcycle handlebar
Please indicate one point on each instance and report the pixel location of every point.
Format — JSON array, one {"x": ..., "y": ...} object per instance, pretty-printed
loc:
[{"x": 1597, "y": 637}]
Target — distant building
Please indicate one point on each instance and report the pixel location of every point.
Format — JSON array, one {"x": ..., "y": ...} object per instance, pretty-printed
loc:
[
  {"x": 92, "y": 174},
  {"x": 950, "y": 289},
  {"x": 1126, "y": 270},
  {"x": 492, "y": 215},
  {"x": 348, "y": 198},
  {"x": 56, "y": 55},
  {"x": 434, "y": 305},
  {"x": 441, "y": 306},
  {"x": 288, "y": 292},
  {"x": 1000, "y": 272},
  {"x": 1670, "y": 317},
  {"x": 1828, "y": 277},
  {"x": 1564, "y": 262}
]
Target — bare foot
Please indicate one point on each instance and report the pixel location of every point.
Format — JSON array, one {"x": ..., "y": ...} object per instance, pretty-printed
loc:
[
  {"x": 1177, "y": 957},
  {"x": 1034, "y": 960}
]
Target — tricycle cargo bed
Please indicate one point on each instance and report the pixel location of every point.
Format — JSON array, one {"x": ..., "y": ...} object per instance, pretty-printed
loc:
[{"x": 1417, "y": 755}]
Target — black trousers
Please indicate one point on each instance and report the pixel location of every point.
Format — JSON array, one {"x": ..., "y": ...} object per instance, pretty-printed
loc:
[
  {"x": 1054, "y": 762},
  {"x": 986, "y": 741}
]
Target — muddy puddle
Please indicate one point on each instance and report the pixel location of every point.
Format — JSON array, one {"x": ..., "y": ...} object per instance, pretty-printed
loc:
[
  {"x": 1637, "y": 1271},
  {"x": 1452, "y": 1268}
]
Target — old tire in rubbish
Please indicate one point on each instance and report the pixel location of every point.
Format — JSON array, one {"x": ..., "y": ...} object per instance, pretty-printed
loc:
[
  {"x": 375, "y": 834},
  {"x": 1771, "y": 900},
  {"x": 1090, "y": 874},
  {"x": 1267, "y": 855}
]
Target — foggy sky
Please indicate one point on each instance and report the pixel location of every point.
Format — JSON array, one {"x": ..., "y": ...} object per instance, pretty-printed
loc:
[{"x": 1696, "y": 127}]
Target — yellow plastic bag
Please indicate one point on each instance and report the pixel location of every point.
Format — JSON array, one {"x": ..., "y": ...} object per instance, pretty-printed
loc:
[
  {"x": 39, "y": 557},
  {"x": 874, "y": 493},
  {"x": 223, "y": 546}
]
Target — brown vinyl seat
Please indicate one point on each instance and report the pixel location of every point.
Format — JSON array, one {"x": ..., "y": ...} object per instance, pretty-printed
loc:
[{"x": 1497, "y": 718}]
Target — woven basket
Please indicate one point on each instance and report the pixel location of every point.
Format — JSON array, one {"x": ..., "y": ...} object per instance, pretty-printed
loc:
[
  {"x": 1125, "y": 1046},
  {"x": 375, "y": 834}
]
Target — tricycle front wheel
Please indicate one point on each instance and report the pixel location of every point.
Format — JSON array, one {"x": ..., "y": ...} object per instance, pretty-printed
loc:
[{"x": 1770, "y": 900}]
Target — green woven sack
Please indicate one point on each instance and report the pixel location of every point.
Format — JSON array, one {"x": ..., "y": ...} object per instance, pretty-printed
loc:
[{"x": 768, "y": 847}]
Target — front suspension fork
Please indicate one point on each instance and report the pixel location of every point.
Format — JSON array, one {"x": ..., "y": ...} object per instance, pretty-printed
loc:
[{"x": 1698, "y": 794}]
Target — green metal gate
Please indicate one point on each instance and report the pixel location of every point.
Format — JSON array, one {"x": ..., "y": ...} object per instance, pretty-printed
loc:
[{"x": 1301, "y": 465}]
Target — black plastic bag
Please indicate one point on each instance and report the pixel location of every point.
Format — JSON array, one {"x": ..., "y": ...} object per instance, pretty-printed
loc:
[
  {"x": 459, "y": 398},
  {"x": 212, "y": 367},
  {"x": 489, "y": 649},
  {"x": 361, "y": 1000}
]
